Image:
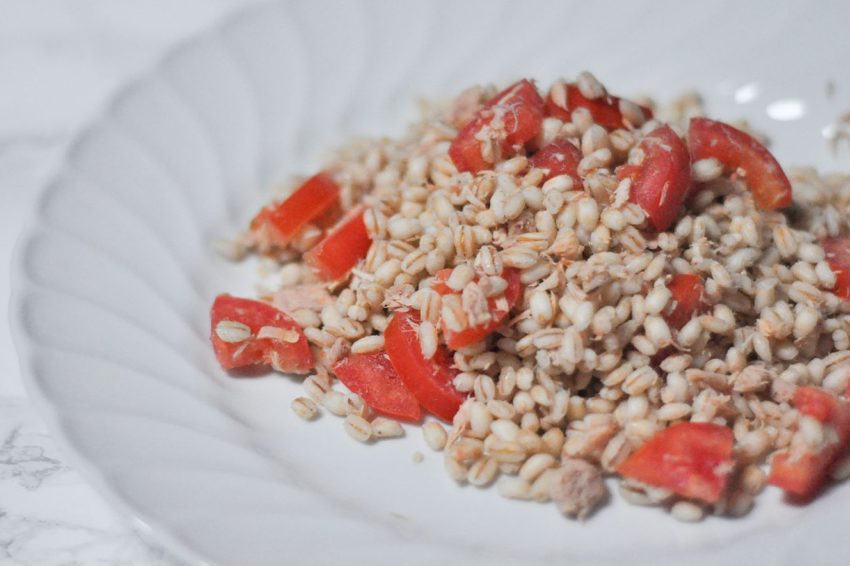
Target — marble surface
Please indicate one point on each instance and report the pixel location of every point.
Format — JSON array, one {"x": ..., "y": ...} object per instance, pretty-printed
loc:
[{"x": 59, "y": 61}]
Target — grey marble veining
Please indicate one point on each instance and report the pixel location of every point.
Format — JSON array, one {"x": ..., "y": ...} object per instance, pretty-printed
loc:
[{"x": 59, "y": 61}]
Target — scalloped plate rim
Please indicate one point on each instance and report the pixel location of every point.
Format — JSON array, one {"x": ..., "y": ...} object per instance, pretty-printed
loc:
[{"x": 148, "y": 527}]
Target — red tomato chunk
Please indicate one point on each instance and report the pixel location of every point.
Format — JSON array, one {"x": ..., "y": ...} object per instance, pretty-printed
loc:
[
  {"x": 691, "y": 459},
  {"x": 316, "y": 199},
  {"x": 511, "y": 118},
  {"x": 661, "y": 182},
  {"x": 500, "y": 307},
  {"x": 560, "y": 157},
  {"x": 268, "y": 336},
  {"x": 687, "y": 290},
  {"x": 430, "y": 380},
  {"x": 374, "y": 378},
  {"x": 838, "y": 255},
  {"x": 737, "y": 150},
  {"x": 803, "y": 474},
  {"x": 342, "y": 248},
  {"x": 563, "y": 99}
]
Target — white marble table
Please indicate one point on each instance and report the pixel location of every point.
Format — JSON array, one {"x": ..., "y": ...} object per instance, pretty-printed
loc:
[{"x": 59, "y": 61}]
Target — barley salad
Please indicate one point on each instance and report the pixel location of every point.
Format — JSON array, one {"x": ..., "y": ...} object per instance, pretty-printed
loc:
[{"x": 572, "y": 286}]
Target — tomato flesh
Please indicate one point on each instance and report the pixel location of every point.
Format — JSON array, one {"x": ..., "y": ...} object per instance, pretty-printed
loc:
[
  {"x": 662, "y": 181},
  {"x": 342, "y": 248},
  {"x": 604, "y": 110},
  {"x": 500, "y": 307},
  {"x": 289, "y": 352},
  {"x": 687, "y": 298},
  {"x": 374, "y": 378},
  {"x": 430, "y": 381},
  {"x": 560, "y": 157},
  {"x": 838, "y": 255},
  {"x": 739, "y": 150},
  {"x": 691, "y": 459},
  {"x": 803, "y": 475},
  {"x": 316, "y": 199},
  {"x": 511, "y": 118}
]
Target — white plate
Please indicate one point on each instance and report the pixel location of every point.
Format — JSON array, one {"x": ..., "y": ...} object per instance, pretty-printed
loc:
[{"x": 114, "y": 276}]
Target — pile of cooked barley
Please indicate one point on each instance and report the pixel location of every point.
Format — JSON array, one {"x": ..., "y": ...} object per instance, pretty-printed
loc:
[{"x": 586, "y": 369}]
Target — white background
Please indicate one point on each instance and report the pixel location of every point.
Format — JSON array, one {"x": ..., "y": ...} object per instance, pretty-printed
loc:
[{"x": 59, "y": 61}]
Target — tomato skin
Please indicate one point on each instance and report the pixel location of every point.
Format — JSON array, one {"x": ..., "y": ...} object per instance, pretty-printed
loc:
[
  {"x": 519, "y": 108},
  {"x": 430, "y": 381},
  {"x": 819, "y": 404},
  {"x": 281, "y": 222},
  {"x": 803, "y": 475},
  {"x": 292, "y": 357},
  {"x": 838, "y": 255},
  {"x": 605, "y": 110},
  {"x": 739, "y": 150},
  {"x": 662, "y": 181},
  {"x": 499, "y": 310},
  {"x": 691, "y": 459},
  {"x": 374, "y": 378},
  {"x": 340, "y": 250},
  {"x": 560, "y": 157},
  {"x": 687, "y": 290}
]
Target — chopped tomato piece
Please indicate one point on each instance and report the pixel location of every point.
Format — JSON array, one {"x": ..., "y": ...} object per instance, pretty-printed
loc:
[
  {"x": 804, "y": 474},
  {"x": 691, "y": 459},
  {"x": 740, "y": 152},
  {"x": 838, "y": 255},
  {"x": 439, "y": 284},
  {"x": 560, "y": 157},
  {"x": 374, "y": 378},
  {"x": 280, "y": 222},
  {"x": 823, "y": 406},
  {"x": 342, "y": 248},
  {"x": 605, "y": 110},
  {"x": 500, "y": 307},
  {"x": 329, "y": 218},
  {"x": 687, "y": 290},
  {"x": 247, "y": 332},
  {"x": 430, "y": 381},
  {"x": 662, "y": 181},
  {"x": 511, "y": 118}
]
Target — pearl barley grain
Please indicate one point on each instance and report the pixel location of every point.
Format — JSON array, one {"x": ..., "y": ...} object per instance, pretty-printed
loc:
[
  {"x": 435, "y": 435},
  {"x": 687, "y": 512},
  {"x": 305, "y": 408},
  {"x": 358, "y": 428}
]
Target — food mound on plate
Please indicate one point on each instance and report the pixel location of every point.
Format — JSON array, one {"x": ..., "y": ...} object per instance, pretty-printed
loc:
[{"x": 582, "y": 286}]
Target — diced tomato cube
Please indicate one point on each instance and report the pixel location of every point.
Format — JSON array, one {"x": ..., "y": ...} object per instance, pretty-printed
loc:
[
  {"x": 279, "y": 223},
  {"x": 662, "y": 181},
  {"x": 819, "y": 404},
  {"x": 511, "y": 118},
  {"x": 564, "y": 99},
  {"x": 687, "y": 290},
  {"x": 560, "y": 157},
  {"x": 272, "y": 337},
  {"x": 838, "y": 255},
  {"x": 342, "y": 247},
  {"x": 430, "y": 380},
  {"x": 803, "y": 475},
  {"x": 438, "y": 283},
  {"x": 691, "y": 459},
  {"x": 500, "y": 307},
  {"x": 374, "y": 378},
  {"x": 739, "y": 151}
]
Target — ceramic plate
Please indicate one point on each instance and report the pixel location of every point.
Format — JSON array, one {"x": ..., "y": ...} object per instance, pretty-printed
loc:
[{"x": 114, "y": 275}]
